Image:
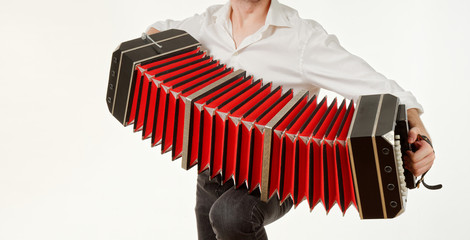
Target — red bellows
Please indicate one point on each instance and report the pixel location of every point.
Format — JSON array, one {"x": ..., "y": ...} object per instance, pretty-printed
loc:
[{"x": 246, "y": 131}]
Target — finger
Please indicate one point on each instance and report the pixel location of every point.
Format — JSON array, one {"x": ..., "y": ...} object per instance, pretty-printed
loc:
[
  {"x": 420, "y": 171},
  {"x": 413, "y": 134},
  {"x": 422, "y": 162},
  {"x": 418, "y": 168}
]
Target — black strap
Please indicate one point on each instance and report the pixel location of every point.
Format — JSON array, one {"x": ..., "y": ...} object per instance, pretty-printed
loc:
[
  {"x": 421, "y": 180},
  {"x": 430, "y": 187}
]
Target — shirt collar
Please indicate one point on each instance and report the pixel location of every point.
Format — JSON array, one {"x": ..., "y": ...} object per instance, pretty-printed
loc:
[{"x": 276, "y": 16}]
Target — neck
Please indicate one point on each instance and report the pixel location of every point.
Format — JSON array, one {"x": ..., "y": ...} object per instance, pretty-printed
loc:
[
  {"x": 247, "y": 17},
  {"x": 249, "y": 11}
]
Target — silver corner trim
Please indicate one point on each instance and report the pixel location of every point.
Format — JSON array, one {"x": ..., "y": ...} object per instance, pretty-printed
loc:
[
  {"x": 278, "y": 133},
  {"x": 304, "y": 139},
  {"x": 175, "y": 94},
  {"x": 291, "y": 136},
  {"x": 389, "y": 137},
  {"x": 199, "y": 106},
  {"x": 235, "y": 120},
  {"x": 260, "y": 127},
  {"x": 165, "y": 88},
  {"x": 210, "y": 110},
  {"x": 248, "y": 125},
  {"x": 222, "y": 115}
]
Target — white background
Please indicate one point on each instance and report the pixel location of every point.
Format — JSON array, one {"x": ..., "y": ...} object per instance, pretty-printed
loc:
[{"x": 69, "y": 170}]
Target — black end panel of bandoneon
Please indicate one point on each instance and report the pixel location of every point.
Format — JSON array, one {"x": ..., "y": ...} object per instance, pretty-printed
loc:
[
  {"x": 116, "y": 63},
  {"x": 131, "y": 53}
]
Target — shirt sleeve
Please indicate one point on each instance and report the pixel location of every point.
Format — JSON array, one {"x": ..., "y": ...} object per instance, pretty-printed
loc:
[
  {"x": 192, "y": 25},
  {"x": 326, "y": 64}
]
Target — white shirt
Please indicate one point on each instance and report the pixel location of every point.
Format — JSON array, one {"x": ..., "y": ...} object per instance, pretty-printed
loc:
[{"x": 289, "y": 51}]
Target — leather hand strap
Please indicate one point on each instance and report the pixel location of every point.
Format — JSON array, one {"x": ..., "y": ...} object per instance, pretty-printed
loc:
[{"x": 421, "y": 180}]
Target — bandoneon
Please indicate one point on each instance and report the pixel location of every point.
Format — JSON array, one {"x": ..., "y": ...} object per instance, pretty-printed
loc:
[{"x": 263, "y": 138}]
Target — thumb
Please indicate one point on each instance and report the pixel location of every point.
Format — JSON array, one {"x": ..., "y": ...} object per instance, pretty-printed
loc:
[{"x": 413, "y": 135}]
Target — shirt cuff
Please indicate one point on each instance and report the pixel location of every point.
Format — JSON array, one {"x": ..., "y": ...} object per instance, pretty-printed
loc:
[{"x": 409, "y": 100}]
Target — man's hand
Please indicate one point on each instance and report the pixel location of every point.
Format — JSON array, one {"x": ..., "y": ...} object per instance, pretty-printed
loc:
[
  {"x": 152, "y": 31},
  {"x": 420, "y": 161}
]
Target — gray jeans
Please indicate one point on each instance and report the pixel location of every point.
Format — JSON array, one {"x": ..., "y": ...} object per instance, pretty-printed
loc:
[{"x": 223, "y": 212}]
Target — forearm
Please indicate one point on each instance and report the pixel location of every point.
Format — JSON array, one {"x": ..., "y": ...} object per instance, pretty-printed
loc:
[{"x": 415, "y": 121}]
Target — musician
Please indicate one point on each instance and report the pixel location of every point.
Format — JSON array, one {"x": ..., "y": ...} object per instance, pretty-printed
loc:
[{"x": 270, "y": 41}]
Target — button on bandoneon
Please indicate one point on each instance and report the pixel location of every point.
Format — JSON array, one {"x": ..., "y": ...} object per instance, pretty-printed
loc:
[{"x": 385, "y": 151}]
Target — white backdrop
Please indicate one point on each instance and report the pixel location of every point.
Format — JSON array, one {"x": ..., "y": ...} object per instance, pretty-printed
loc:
[{"x": 69, "y": 170}]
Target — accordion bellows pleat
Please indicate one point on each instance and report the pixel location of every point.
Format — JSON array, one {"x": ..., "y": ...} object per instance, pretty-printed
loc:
[{"x": 261, "y": 137}]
